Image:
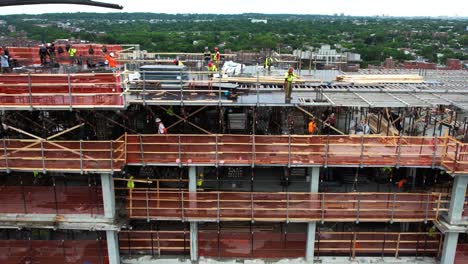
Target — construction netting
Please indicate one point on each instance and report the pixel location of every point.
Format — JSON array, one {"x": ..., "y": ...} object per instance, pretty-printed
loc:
[
  {"x": 51, "y": 200},
  {"x": 53, "y": 251}
]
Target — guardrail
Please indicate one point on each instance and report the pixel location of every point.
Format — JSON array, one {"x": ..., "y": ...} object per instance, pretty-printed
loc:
[{"x": 284, "y": 207}]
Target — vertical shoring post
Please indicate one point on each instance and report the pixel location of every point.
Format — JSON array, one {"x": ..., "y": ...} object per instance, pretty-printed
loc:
[
  {"x": 455, "y": 158},
  {"x": 393, "y": 208},
  {"x": 23, "y": 195},
  {"x": 30, "y": 91},
  {"x": 289, "y": 150},
  {"x": 142, "y": 152},
  {"x": 399, "y": 151},
  {"x": 426, "y": 214},
  {"x": 70, "y": 96},
  {"x": 147, "y": 207},
  {"x": 152, "y": 240},
  {"x": 6, "y": 155},
  {"x": 144, "y": 88},
  {"x": 287, "y": 206},
  {"x": 55, "y": 195},
  {"x": 323, "y": 207},
  {"x": 361, "y": 158},
  {"x": 218, "y": 212},
  {"x": 439, "y": 197},
  {"x": 158, "y": 239},
  {"x": 182, "y": 205},
  {"x": 81, "y": 157},
  {"x": 398, "y": 245},
  {"x": 358, "y": 208},
  {"x": 181, "y": 90},
  {"x": 435, "y": 153},
  {"x": 253, "y": 151},
  {"x": 179, "y": 149},
  {"x": 353, "y": 245},
  {"x": 112, "y": 157},
  {"x": 216, "y": 151},
  {"x": 252, "y": 208},
  {"x": 43, "y": 157},
  {"x": 327, "y": 146}
]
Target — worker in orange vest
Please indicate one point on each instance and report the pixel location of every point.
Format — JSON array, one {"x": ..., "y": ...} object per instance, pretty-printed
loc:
[
  {"x": 311, "y": 127},
  {"x": 111, "y": 61}
]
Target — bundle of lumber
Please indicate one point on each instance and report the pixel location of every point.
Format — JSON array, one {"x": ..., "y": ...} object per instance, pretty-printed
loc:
[
  {"x": 373, "y": 124},
  {"x": 263, "y": 80},
  {"x": 380, "y": 78}
]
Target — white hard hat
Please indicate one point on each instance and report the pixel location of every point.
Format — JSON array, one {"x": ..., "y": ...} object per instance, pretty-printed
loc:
[
  {"x": 158, "y": 120},
  {"x": 112, "y": 54}
]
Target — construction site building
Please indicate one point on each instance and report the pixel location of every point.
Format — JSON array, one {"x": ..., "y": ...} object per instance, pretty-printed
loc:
[{"x": 87, "y": 178}]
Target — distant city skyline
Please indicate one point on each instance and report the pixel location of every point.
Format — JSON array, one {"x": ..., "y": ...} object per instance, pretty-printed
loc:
[{"x": 433, "y": 8}]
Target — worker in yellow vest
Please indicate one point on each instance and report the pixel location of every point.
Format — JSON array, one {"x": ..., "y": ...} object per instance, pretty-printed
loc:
[
  {"x": 288, "y": 81},
  {"x": 131, "y": 183},
  {"x": 200, "y": 180}
]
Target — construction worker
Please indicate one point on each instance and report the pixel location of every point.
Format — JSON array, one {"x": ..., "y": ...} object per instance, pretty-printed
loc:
[
  {"x": 71, "y": 53},
  {"x": 43, "y": 54},
  {"x": 131, "y": 183},
  {"x": 112, "y": 63},
  {"x": 161, "y": 128},
  {"x": 268, "y": 63},
  {"x": 216, "y": 57},
  {"x": 311, "y": 127},
  {"x": 207, "y": 56},
  {"x": 212, "y": 68},
  {"x": 51, "y": 51},
  {"x": 288, "y": 81},
  {"x": 200, "y": 180},
  {"x": 178, "y": 62}
]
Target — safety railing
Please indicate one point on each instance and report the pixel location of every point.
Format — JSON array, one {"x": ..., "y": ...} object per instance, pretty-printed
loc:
[
  {"x": 285, "y": 207},
  {"x": 154, "y": 242},
  {"x": 234, "y": 150},
  {"x": 292, "y": 150},
  {"x": 59, "y": 200},
  {"x": 53, "y": 251},
  {"x": 91, "y": 90},
  {"x": 63, "y": 156}
]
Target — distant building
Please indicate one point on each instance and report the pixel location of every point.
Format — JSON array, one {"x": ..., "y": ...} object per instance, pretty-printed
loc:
[
  {"x": 419, "y": 65},
  {"x": 453, "y": 64},
  {"x": 389, "y": 63},
  {"x": 265, "y": 21}
]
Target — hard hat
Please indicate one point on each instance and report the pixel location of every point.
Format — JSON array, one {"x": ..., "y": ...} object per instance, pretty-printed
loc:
[
  {"x": 291, "y": 69},
  {"x": 206, "y": 48},
  {"x": 210, "y": 64},
  {"x": 158, "y": 120},
  {"x": 216, "y": 48},
  {"x": 112, "y": 54}
]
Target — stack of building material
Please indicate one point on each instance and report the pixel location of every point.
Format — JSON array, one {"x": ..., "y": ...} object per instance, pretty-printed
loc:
[
  {"x": 380, "y": 78},
  {"x": 384, "y": 126}
]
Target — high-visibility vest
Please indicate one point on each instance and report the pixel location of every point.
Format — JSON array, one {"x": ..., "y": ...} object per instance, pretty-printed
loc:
[
  {"x": 72, "y": 52},
  {"x": 268, "y": 61},
  {"x": 290, "y": 77},
  {"x": 131, "y": 183},
  {"x": 311, "y": 127}
]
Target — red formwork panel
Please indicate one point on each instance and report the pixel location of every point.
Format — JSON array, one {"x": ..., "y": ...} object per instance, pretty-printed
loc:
[
  {"x": 238, "y": 244},
  {"x": 93, "y": 89},
  {"x": 30, "y": 55},
  {"x": 53, "y": 252},
  {"x": 461, "y": 256},
  {"x": 49, "y": 200},
  {"x": 302, "y": 207},
  {"x": 155, "y": 243}
]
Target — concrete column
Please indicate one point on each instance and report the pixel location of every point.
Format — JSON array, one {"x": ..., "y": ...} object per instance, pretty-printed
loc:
[
  {"x": 193, "y": 225},
  {"x": 314, "y": 184},
  {"x": 450, "y": 248},
  {"x": 108, "y": 195},
  {"x": 113, "y": 247},
  {"x": 457, "y": 199}
]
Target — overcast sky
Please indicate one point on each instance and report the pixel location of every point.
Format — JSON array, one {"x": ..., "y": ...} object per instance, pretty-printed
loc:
[{"x": 348, "y": 7}]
